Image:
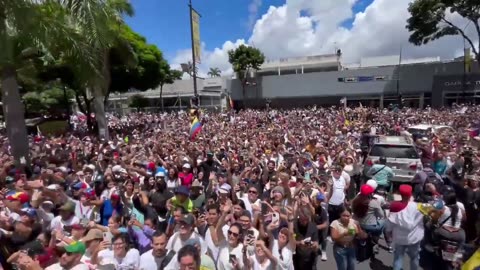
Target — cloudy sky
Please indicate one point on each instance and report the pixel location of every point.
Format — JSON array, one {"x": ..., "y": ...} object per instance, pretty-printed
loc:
[{"x": 287, "y": 28}]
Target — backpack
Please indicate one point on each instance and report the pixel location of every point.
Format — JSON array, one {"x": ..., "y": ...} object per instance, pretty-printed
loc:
[{"x": 432, "y": 178}]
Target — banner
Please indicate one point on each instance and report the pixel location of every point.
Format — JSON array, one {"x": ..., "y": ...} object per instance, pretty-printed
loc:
[{"x": 197, "y": 46}]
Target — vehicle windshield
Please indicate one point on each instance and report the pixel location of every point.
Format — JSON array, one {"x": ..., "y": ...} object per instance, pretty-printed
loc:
[
  {"x": 394, "y": 151},
  {"x": 415, "y": 131}
]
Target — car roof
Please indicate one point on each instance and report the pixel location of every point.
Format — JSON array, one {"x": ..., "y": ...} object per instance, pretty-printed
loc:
[
  {"x": 427, "y": 126},
  {"x": 398, "y": 140},
  {"x": 421, "y": 126}
]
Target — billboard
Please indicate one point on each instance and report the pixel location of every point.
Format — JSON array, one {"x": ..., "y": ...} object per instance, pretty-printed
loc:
[{"x": 196, "y": 35}]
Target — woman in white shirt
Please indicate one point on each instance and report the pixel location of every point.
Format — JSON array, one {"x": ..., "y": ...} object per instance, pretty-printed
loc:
[
  {"x": 121, "y": 255},
  {"x": 231, "y": 250},
  {"x": 263, "y": 258}
]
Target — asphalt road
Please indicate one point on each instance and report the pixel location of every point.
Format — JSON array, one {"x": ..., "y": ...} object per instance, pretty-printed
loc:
[{"x": 383, "y": 261}]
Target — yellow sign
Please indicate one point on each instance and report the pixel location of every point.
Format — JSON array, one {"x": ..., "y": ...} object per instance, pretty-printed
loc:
[{"x": 197, "y": 46}]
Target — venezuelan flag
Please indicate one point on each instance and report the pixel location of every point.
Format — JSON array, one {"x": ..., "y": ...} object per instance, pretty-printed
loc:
[{"x": 195, "y": 128}]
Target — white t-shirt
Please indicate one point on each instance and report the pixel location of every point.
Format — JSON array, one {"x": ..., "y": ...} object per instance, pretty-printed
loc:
[
  {"x": 57, "y": 222},
  {"x": 338, "y": 191},
  {"x": 83, "y": 212},
  {"x": 175, "y": 243},
  {"x": 57, "y": 266},
  {"x": 285, "y": 256},
  {"x": 130, "y": 262},
  {"x": 257, "y": 266},
  {"x": 149, "y": 262},
  {"x": 224, "y": 256},
  {"x": 210, "y": 245}
]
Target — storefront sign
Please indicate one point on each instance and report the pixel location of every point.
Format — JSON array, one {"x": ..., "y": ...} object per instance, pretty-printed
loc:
[{"x": 461, "y": 82}]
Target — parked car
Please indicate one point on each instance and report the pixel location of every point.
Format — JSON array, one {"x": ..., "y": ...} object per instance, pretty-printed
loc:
[{"x": 402, "y": 156}]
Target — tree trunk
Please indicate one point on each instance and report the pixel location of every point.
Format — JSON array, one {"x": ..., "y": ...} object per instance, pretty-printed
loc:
[
  {"x": 161, "y": 97},
  {"x": 14, "y": 116},
  {"x": 105, "y": 99},
  {"x": 99, "y": 92}
]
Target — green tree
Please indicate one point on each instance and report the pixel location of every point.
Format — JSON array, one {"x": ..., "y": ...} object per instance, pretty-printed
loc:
[
  {"x": 138, "y": 101},
  {"x": 214, "y": 72},
  {"x": 430, "y": 21},
  {"x": 28, "y": 30},
  {"x": 144, "y": 73},
  {"x": 167, "y": 76},
  {"x": 244, "y": 60}
]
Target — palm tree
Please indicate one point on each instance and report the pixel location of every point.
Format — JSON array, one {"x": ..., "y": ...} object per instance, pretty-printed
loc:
[
  {"x": 214, "y": 72},
  {"x": 28, "y": 30},
  {"x": 101, "y": 20}
]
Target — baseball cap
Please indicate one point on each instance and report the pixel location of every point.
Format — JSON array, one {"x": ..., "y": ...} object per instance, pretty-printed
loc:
[
  {"x": 78, "y": 226},
  {"x": 68, "y": 206},
  {"x": 320, "y": 196},
  {"x": 160, "y": 174},
  {"x": 405, "y": 190},
  {"x": 93, "y": 234},
  {"x": 76, "y": 247},
  {"x": 22, "y": 197},
  {"x": 182, "y": 190},
  {"x": 80, "y": 185},
  {"x": 187, "y": 166},
  {"x": 372, "y": 183},
  {"x": 30, "y": 212},
  {"x": 366, "y": 190},
  {"x": 188, "y": 219}
]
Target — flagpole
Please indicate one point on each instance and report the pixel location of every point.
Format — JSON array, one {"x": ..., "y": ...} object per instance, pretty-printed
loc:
[
  {"x": 194, "y": 69},
  {"x": 398, "y": 77}
]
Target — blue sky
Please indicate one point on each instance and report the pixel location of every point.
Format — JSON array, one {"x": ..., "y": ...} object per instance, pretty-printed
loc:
[{"x": 165, "y": 23}]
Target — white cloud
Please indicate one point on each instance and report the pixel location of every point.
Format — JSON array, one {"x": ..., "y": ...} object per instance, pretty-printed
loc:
[
  {"x": 306, "y": 27},
  {"x": 253, "y": 9}
]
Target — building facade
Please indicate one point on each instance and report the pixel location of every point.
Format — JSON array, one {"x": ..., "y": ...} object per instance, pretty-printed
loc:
[{"x": 323, "y": 80}]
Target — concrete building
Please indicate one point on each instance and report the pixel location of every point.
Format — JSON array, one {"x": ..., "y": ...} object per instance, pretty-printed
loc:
[
  {"x": 377, "y": 81},
  {"x": 176, "y": 96},
  {"x": 324, "y": 80}
]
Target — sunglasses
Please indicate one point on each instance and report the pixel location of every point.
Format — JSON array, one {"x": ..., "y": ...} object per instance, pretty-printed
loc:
[
  {"x": 232, "y": 233},
  {"x": 252, "y": 192}
]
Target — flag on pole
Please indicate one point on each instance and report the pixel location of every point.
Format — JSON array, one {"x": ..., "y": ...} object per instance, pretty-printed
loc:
[
  {"x": 343, "y": 101},
  {"x": 195, "y": 128}
]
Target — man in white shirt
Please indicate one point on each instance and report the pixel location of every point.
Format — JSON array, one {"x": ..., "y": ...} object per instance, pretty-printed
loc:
[
  {"x": 405, "y": 222},
  {"x": 71, "y": 259},
  {"x": 336, "y": 197},
  {"x": 121, "y": 256},
  {"x": 67, "y": 217},
  {"x": 185, "y": 232},
  {"x": 212, "y": 220},
  {"x": 159, "y": 257}
]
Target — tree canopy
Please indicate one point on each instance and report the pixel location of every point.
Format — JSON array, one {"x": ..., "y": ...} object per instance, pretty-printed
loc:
[
  {"x": 138, "y": 101},
  {"x": 431, "y": 20},
  {"x": 214, "y": 72},
  {"x": 244, "y": 59},
  {"x": 145, "y": 73}
]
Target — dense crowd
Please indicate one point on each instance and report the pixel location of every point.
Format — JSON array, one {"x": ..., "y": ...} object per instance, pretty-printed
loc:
[{"x": 253, "y": 190}]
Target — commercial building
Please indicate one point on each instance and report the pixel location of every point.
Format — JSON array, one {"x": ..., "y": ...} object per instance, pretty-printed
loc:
[{"x": 324, "y": 80}]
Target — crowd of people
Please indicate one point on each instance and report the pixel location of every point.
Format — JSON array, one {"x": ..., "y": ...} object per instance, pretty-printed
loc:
[{"x": 253, "y": 190}]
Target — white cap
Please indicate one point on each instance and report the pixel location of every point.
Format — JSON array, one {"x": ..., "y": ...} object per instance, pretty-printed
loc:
[
  {"x": 186, "y": 165},
  {"x": 91, "y": 167},
  {"x": 53, "y": 187},
  {"x": 372, "y": 183},
  {"x": 122, "y": 170},
  {"x": 116, "y": 168},
  {"x": 160, "y": 174},
  {"x": 63, "y": 169}
]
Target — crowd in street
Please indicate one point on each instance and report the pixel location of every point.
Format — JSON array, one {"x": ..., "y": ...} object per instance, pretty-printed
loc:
[{"x": 254, "y": 189}]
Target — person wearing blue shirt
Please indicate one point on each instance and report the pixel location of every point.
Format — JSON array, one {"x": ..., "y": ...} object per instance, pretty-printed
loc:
[{"x": 381, "y": 173}]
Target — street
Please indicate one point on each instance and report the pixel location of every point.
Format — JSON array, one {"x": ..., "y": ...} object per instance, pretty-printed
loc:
[{"x": 383, "y": 261}]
